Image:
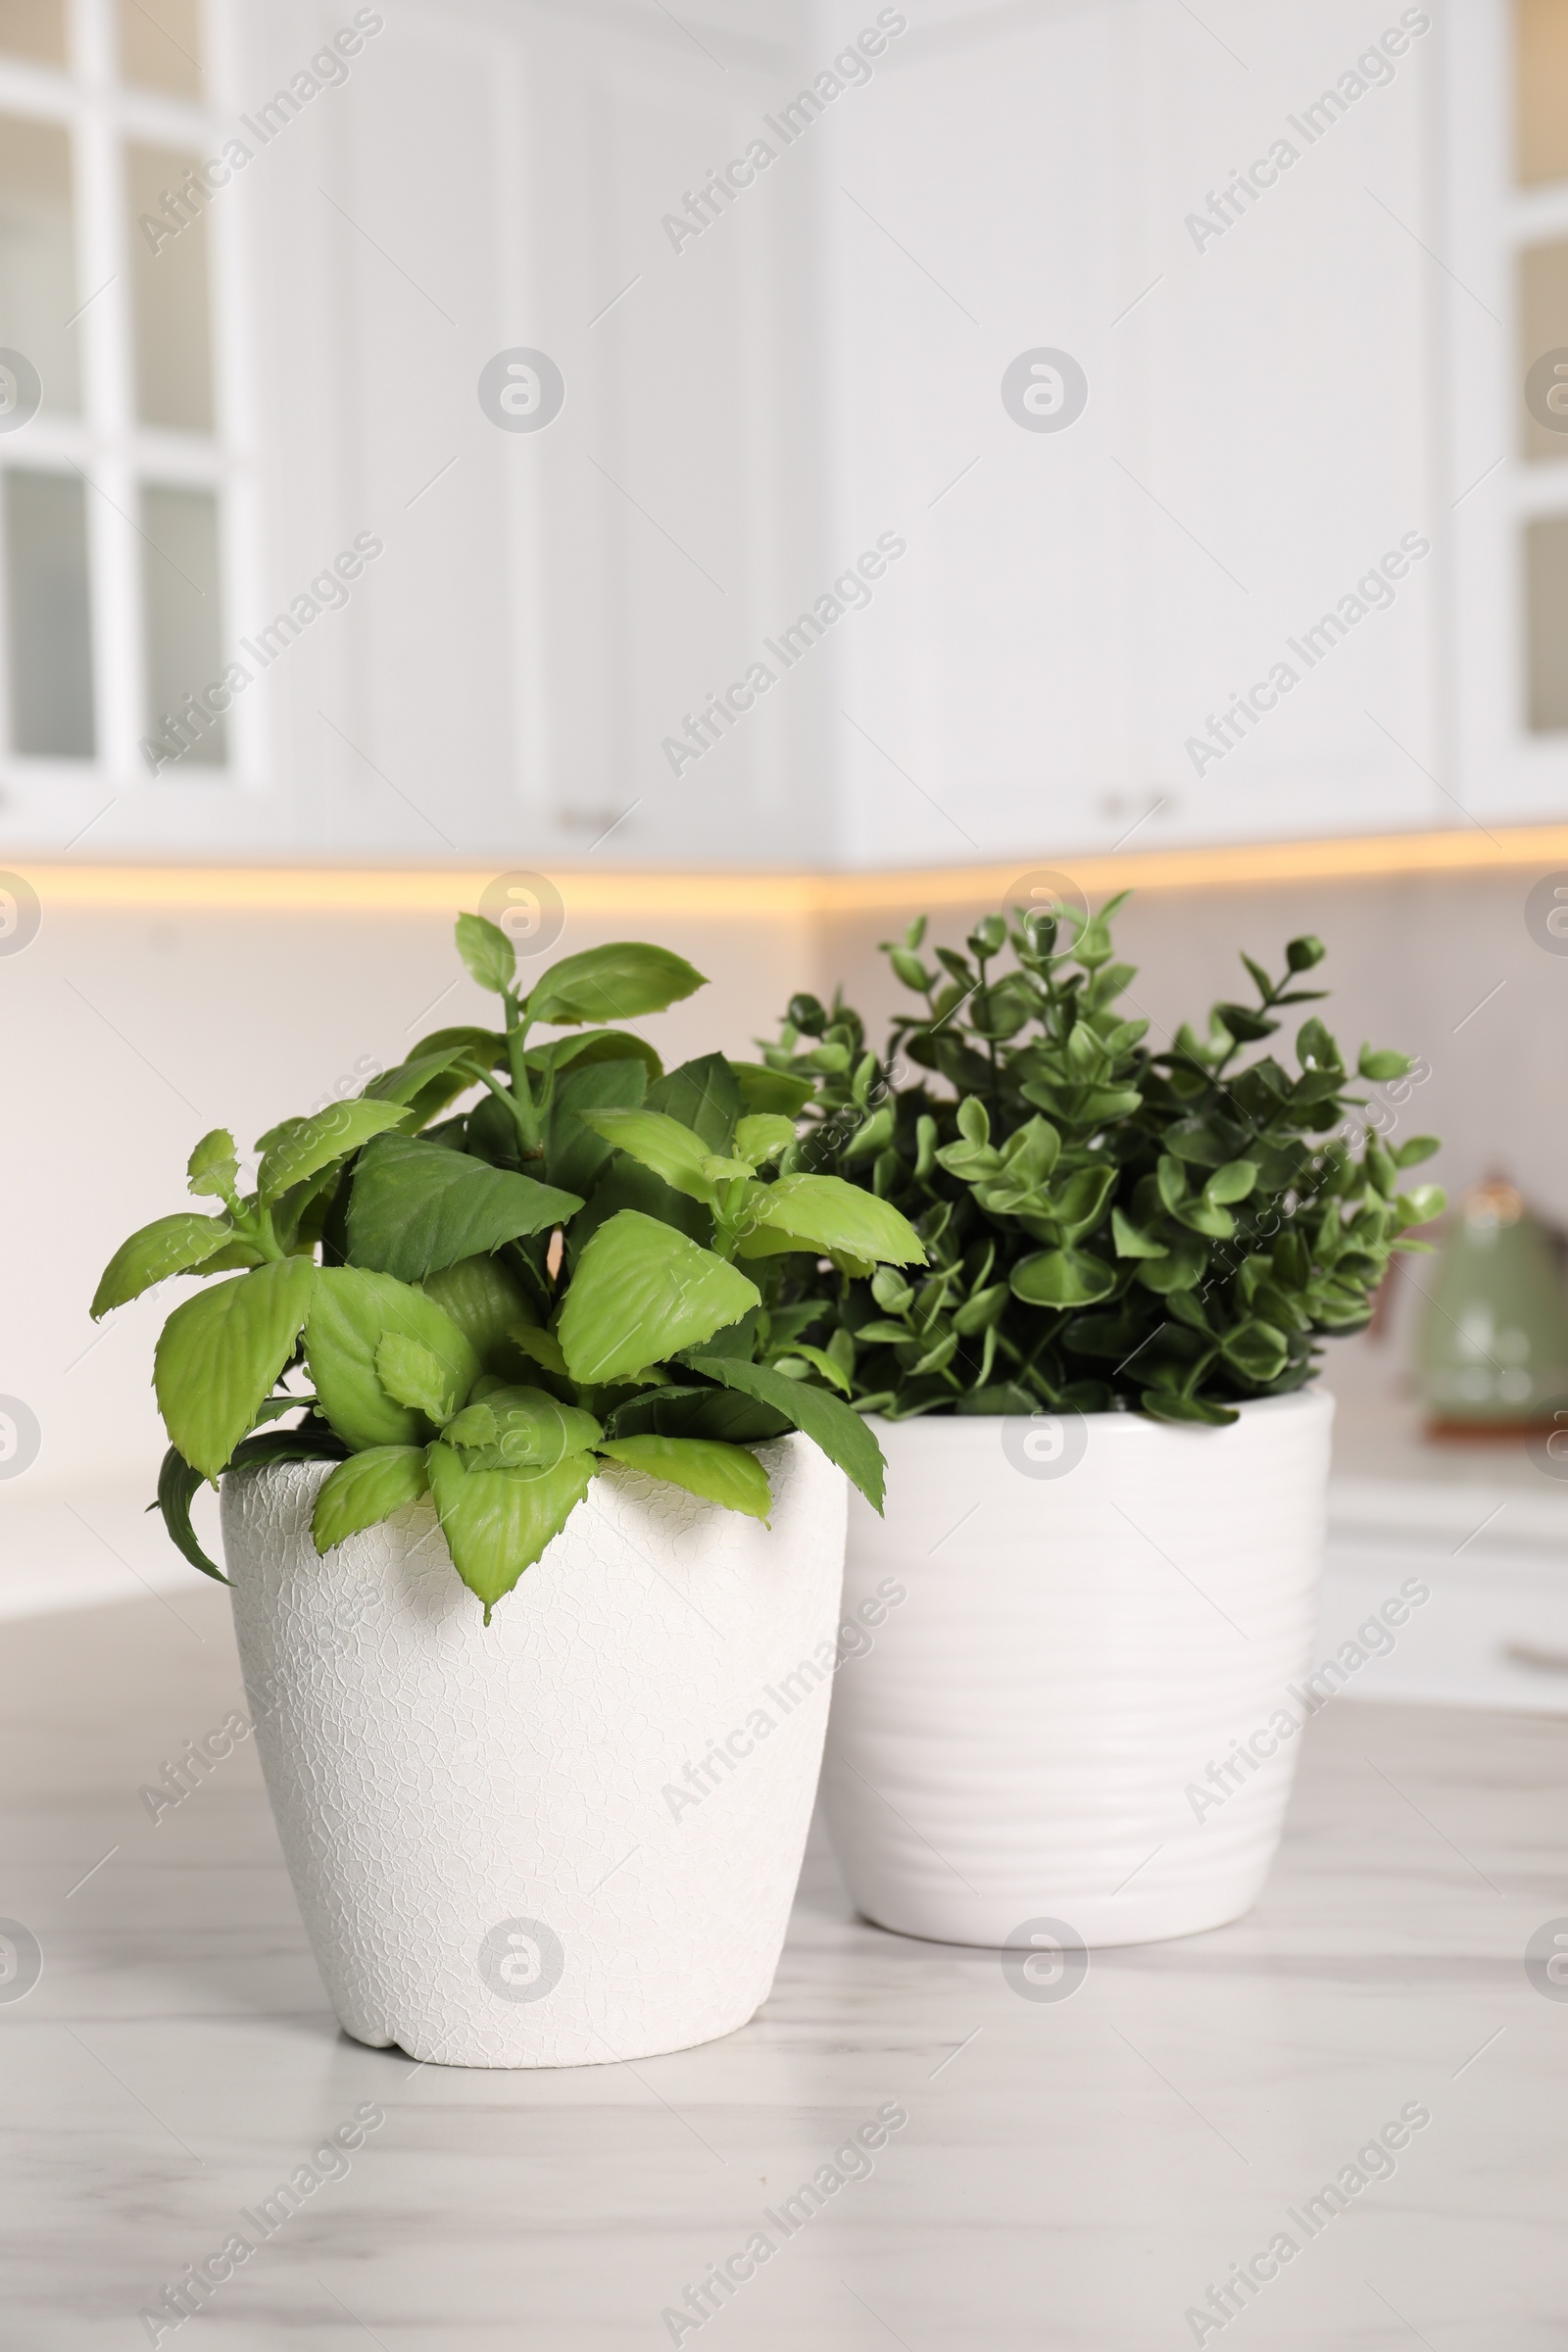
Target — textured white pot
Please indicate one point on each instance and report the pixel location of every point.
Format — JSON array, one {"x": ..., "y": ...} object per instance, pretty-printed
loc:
[
  {"x": 574, "y": 1837},
  {"x": 1099, "y": 1609}
]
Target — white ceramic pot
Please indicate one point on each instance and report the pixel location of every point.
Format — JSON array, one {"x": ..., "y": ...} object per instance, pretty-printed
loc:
[
  {"x": 574, "y": 1837},
  {"x": 1097, "y": 1609}
]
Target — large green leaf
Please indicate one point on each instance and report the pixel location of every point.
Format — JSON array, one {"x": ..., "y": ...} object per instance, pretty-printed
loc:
[
  {"x": 574, "y": 1151},
  {"x": 613, "y": 983},
  {"x": 488, "y": 952},
  {"x": 485, "y": 1299},
  {"x": 704, "y": 1095},
  {"x": 628, "y": 1184},
  {"x": 498, "y": 1522},
  {"x": 659, "y": 1143},
  {"x": 366, "y": 1489},
  {"x": 221, "y": 1352},
  {"x": 169, "y": 1246},
  {"x": 429, "y": 1080},
  {"x": 819, "y": 1414},
  {"x": 641, "y": 1290},
  {"x": 725, "y": 1474},
  {"x": 763, "y": 1089},
  {"x": 824, "y": 1212},
  {"x": 596, "y": 1045},
  {"x": 353, "y": 1310},
  {"x": 302, "y": 1146},
  {"x": 417, "y": 1208},
  {"x": 722, "y": 1415}
]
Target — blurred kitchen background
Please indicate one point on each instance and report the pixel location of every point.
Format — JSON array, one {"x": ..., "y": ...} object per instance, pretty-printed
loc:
[{"x": 413, "y": 419}]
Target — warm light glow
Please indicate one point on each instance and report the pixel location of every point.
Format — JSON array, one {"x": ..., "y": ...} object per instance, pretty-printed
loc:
[{"x": 742, "y": 898}]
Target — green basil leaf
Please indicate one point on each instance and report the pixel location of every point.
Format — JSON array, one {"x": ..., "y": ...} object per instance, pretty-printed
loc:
[
  {"x": 541, "y": 1348},
  {"x": 213, "y": 1165},
  {"x": 169, "y": 1246},
  {"x": 595, "y": 1046},
  {"x": 659, "y": 1143},
  {"x": 815, "y": 1412},
  {"x": 177, "y": 1482},
  {"x": 762, "y": 1135},
  {"x": 314, "y": 1143},
  {"x": 821, "y": 1361},
  {"x": 613, "y": 983},
  {"x": 765, "y": 1090},
  {"x": 640, "y": 1291},
  {"x": 484, "y": 1300},
  {"x": 826, "y": 1213},
  {"x": 350, "y": 1313},
  {"x": 575, "y": 1152},
  {"x": 498, "y": 1522},
  {"x": 487, "y": 952},
  {"x": 703, "y": 1095},
  {"x": 723, "y": 1474},
  {"x": 522, "y": 1429},
  {"x": 366, "y": 1489},
  {"x": 221, "y": 1352},
  {"x": 411, "y": 1375},
  {"x": 417, "y": 1208}
]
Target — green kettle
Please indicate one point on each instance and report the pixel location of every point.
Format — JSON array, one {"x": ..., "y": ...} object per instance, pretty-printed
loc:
[{"x": 1492, "y": 1348}]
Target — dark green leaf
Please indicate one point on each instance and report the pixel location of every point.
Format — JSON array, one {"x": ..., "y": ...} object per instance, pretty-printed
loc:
[
  {"x": 177, "y": 1484},
  {"x": 1061, "y": 1277},
  {"x": 417, "y": 1208},
  {"x": 763, "y": 1089},
  {"x": 820, "y": 1416},
  {"x": 703, "y": 1095},
  {"x": 484, "y": 1300}
]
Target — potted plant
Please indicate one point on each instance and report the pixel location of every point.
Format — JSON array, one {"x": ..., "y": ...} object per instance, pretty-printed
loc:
[
  {"x": 1107, "y": 1459},
  {"x": 548, "y": 1818}
]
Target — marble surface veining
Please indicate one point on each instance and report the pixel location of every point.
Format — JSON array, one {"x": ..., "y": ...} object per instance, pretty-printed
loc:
[{"x": 1073, "y": 2173}]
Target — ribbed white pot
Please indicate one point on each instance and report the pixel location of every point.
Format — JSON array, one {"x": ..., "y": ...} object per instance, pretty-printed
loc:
[
  {"x": 1100, "y": 1613},
  {"x": 571, "y": 1837}
]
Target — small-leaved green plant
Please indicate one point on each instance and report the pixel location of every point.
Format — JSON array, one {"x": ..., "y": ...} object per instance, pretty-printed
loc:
[
  {"x": 587, "y": 1267},
  {"x": 1108, "y": 1225}
]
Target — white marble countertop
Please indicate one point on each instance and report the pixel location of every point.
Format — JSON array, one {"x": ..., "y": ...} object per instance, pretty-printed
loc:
[{"x": 1074, "y": 2175}]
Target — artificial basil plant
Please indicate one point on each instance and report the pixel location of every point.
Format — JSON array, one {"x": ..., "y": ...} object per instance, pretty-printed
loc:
[
  {"x": 1110, "y": 1225},
  {"x": 586, "y": 1267}
]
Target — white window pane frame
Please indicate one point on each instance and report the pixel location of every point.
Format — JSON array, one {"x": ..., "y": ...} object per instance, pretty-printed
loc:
[
  {"x": 52, "y": 800},
  {"x": 1506, "y": 774}
]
